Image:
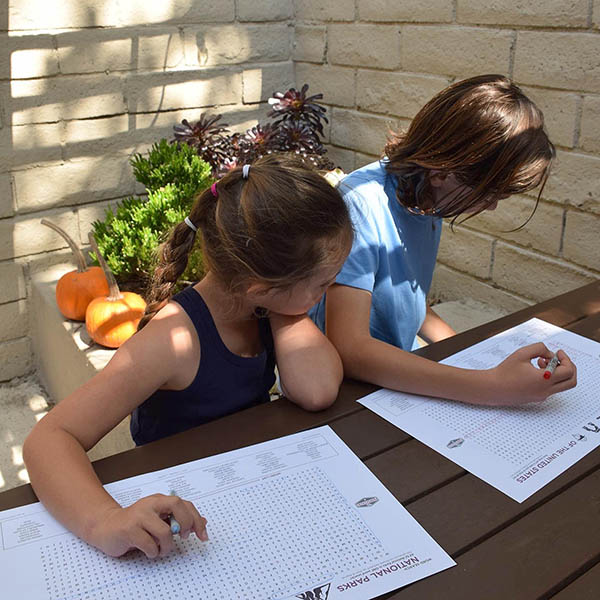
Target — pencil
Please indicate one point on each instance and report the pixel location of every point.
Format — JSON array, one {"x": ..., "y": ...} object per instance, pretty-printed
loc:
[{"x": 175, "y": 526}]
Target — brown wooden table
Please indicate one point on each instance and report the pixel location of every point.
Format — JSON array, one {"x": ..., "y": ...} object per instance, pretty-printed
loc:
[{"x": 546, "y": 547}]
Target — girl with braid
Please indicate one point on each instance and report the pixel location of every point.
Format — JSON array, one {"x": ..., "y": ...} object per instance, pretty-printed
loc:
[{"x": 273, "y": 237}]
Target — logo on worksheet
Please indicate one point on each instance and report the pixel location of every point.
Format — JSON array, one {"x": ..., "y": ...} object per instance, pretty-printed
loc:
[
  {"x": 365, "y": 502},
  {"x": 321, "y": 592},
  {"x": 457, "y": 443}
]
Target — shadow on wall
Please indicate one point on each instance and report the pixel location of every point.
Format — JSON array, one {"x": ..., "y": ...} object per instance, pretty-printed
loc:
[{"x": 77, "y": 104}]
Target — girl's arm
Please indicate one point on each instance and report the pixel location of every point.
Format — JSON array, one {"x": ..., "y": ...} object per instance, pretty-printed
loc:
[
  {"x": 61, "y": 473},
  {"x": 310, "y": 369},
  {"x": 434, "y": 328},
  {"x": 513, "y": 381}
]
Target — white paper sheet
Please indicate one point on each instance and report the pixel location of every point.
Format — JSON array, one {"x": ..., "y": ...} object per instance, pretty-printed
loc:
[
  {"x": 297, "y": 517},
  {"x": 518, "y": 450}
]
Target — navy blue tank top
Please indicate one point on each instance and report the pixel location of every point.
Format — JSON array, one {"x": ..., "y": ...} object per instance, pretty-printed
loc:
[{"x": 224, "y": 383}]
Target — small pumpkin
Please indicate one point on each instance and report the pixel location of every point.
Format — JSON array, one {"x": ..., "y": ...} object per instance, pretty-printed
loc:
[
  {"x": 76, "y": 289},
  {"x": 112, "y": 319}
]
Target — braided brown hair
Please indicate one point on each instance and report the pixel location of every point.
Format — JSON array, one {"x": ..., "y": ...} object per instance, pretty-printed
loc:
[
  {"x": 483, "y": 130},
  {"x": 277, "y": 227}
]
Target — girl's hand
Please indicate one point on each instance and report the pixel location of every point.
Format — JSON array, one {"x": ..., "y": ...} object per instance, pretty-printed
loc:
[
  {"x": 517, "y": 381},
  {"x": 144, "y": 525}
]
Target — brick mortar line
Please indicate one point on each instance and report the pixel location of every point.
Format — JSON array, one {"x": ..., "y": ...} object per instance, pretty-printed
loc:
[
  {"x": 558, "y": 257},
  {"x": 563, "y": 231},
  {"x": 459, "y": 25},
  {"x": 578, "y": 121}
]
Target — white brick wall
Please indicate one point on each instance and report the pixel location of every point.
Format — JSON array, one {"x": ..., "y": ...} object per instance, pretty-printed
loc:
[
  {"x": 551, "y": 48},
  {"x": 86, "y": 84}
]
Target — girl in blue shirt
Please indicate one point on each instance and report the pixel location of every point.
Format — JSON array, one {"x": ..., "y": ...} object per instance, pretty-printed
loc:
[
  {"x": 475, "y": 143},
  {"x": 273, "y": 238}
]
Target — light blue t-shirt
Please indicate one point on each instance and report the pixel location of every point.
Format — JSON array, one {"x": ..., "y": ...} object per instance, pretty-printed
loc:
[{"x": 393, "y": 256}]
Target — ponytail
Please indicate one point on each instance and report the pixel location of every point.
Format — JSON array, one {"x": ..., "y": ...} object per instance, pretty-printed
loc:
[
  {"x": 173, "y": 259},
  {"x": 275, "y": 223}
]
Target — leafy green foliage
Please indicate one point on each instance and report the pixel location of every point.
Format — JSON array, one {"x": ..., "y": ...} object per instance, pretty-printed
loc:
[{"x": 129, "y": 238}]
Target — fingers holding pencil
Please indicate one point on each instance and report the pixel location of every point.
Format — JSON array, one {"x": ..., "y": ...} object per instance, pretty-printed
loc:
[{"x": 561, "y": 372}]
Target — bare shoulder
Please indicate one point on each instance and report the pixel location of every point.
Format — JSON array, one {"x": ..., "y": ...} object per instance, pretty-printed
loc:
[{"x": 169, "y": 336}]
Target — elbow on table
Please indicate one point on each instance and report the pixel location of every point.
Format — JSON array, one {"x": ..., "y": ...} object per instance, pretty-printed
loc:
[{"x": 317, "y": 397}]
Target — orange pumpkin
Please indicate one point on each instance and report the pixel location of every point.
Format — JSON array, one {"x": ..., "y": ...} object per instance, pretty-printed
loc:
[
  {"x": 113, "y": 319},
  {"x": 76, "y": 289}
]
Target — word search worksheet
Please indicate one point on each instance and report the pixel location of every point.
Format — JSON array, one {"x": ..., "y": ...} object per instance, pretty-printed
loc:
[
  {"x": 516, "y": 449},
  {"x": 296, "y": 517}
]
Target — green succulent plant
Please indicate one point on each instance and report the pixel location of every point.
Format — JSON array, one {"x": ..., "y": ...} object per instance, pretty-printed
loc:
[{"x": 129, "y": 237}]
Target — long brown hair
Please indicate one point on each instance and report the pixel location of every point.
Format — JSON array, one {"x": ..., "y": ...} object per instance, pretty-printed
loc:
[
  {"x": 277, "y": 227},
  {"x": 485, "y": 132}
]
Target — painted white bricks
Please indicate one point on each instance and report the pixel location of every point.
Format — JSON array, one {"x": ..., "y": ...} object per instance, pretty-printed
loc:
[
  {"x": 142, "y": 12},
  {"x": 405, "y": 11},
  {"x": 574, "y": 180},
  {"x": 36, "y": 143},
  {"x": 15, "y": 319},
  {"x": 335, "y": 83},
  {"x": 89, "y": 213},
  {"x": 544, "y": 13},
  {"x": 21, "y": 61},
  {"x": 559, "y": 60},
  {"x": 235, "y": 44},
  {"x": 13, "y": 282},
  {"x": 73, "y": 182},
  {"x": 64, "y": 98},
  {"x": 317, "y": 10},
  {"x": 398, "y": 94},
  {"x": 264, "y": 10},
  {"x": 86, "y": 52},
  {"x": 309, "y": 43},
  {"x": 360, "y": 45},
  {"x": 459, "y": 51},
  {"x": 357, "y": 131},
  {"x": 469, "y": 251},
  {"x": 582, "y": 239},
  {"x": 153, "y": 92},
  {"x": 534, "y": 275},
  {"x": 450, "y": 284},
  {"x": 6, "y": 198},
  {"x": 92, "y": 137},
  {"x": 34, "y": 15},
  {"x": 24, "y": 236},
  {"x": 543, "y": 232},
  {"x": 259, "y": 84},
  {"x": 341, "y": 157},
  {"x": 560, "y": 113},
  {"x": 590, "y": 124}
]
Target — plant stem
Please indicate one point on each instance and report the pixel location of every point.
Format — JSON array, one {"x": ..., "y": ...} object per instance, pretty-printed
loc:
[
  {"x": 77, "y": 253},
  {"x": 114, "y": 293}
]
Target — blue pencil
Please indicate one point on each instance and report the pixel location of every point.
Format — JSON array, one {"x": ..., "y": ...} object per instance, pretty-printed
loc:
[{"x": 175, "y": 526}]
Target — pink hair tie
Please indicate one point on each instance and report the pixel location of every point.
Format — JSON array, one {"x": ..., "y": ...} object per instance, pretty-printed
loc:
[{"x": 213, "y": 189}]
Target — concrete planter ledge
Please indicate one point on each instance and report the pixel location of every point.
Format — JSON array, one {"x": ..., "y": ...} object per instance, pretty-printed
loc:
[{"x": 65, "y": 356}]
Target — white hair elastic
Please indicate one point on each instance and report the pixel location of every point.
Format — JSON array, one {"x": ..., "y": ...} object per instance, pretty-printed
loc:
[
  {"x": 245, "y": 171},
  {"x": 190, "y": 224}
]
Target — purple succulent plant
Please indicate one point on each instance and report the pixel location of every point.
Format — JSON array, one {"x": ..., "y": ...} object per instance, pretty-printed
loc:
[{"x": 297, "y": 128}]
